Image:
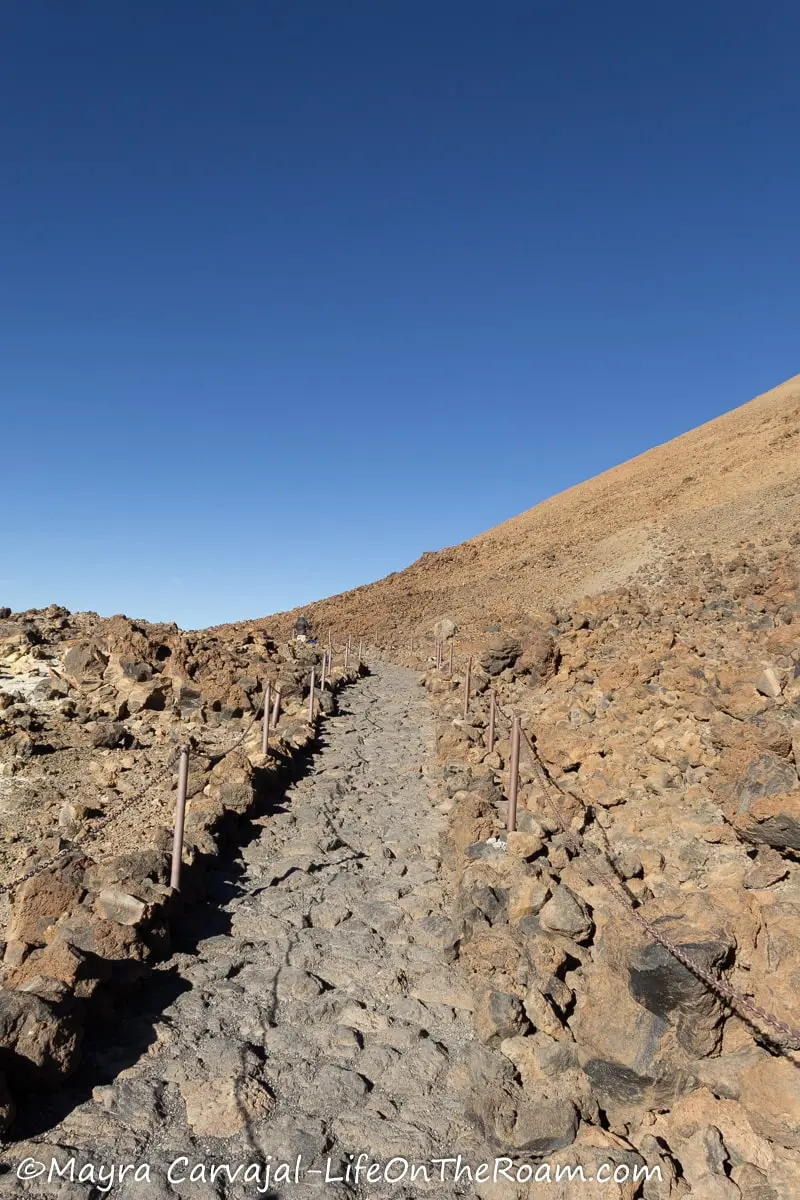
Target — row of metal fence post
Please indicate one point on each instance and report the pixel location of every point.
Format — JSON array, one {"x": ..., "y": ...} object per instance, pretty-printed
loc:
[
  {"x": 736, "y": 1000},
  {"x": 513, "y": 779},
  {"x": 272, "y": 712},
  {"x": 269, "y": 719},
  {"x": 180, "y": 818}
]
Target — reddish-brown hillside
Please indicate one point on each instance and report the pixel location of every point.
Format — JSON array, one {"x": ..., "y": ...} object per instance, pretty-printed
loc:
[{"x": 723, "y": 483}]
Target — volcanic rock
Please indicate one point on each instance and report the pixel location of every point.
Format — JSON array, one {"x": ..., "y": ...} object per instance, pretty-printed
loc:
[
  {"x": 39, "y": 1042},
  {"x": 503, "y": 652}
]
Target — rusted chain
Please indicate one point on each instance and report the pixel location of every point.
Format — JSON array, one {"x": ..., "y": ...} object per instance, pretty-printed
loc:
[
  {"x": 126, "y": 805},
  {"x": 50, "y": 862},
  {"x": 214, "y": 751},
  {"x": 735, "y": 999},
  {"x": 129, "y": 803}
]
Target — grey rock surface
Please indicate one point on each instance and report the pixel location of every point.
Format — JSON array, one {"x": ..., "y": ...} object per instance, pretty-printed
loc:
[{"x": 320, "y": 1015}]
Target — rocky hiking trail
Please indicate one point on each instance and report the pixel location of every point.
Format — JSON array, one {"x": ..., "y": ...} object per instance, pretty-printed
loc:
[{"x": 310, "y": 1008}]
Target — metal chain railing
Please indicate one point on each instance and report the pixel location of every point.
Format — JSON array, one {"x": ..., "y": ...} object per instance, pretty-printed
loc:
[
  {"x": 789, "y": 1036},
  {"x": 129, "y": 803},
  {"x": 126, "y": 805},
  {"x": 214, "y": 751}
]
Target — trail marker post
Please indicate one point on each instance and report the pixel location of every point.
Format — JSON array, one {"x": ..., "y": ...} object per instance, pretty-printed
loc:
[
  {"x": 450, "y": 664},
  {"x": 265, "y": 718},
  {"x": 180, "y": 819},
  {"x": 276, "y": 708},
  {"x": 492, "y": 716},
  {"x": 311, "y": 697},
  {"x": 513, "y": 780},
  {"x": 467, "y": 684},
  {"x": 322, "y": 670},
  {"x": 438, "y": 655},
  {"x": 346, "y": 653}
]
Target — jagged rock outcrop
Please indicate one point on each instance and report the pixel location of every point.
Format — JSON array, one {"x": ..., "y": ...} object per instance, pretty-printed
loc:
[
  {"x": 97, "y": 911},
  {"x": 668, "y": 726}
]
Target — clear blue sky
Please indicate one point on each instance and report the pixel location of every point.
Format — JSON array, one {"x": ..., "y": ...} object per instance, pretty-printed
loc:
[{"x": 293, "y": 292}]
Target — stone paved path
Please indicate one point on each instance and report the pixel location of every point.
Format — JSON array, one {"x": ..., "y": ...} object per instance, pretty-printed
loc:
[{"x": 324, "y": 1020}]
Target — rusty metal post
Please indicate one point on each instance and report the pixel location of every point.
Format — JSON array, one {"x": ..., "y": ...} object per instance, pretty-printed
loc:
[
  {"x": 311, "y": 697},
  {"x": 322, "y": 670},
  {"x": 265, "y": 718},
  {"x": 492, "y": 716},
  {"x": 450, "y": 664},
  {"x": 276, "y": 708},
  {"x": 513, "y": 778},
  {"x": 438, "y": 655},
  {"x": 467, "y": 684},
  {"x": 180, "y": 818}
]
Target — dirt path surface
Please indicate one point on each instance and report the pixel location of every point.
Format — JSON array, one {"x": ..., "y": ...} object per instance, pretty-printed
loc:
[{"x": 312, "y": 1012}]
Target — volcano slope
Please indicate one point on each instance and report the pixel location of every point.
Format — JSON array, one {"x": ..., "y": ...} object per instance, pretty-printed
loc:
[
  {"x": 644, "y": 628},
  {"x": 733, "y": 479}
]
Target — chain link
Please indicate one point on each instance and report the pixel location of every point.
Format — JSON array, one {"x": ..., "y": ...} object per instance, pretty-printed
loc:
[
  {"x": 604, "y": 872},
  {"x": 128, "y": 804}
]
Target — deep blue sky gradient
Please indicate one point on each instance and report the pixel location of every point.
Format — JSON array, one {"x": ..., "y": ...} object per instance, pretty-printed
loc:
[{"x": 293, "y": 292}]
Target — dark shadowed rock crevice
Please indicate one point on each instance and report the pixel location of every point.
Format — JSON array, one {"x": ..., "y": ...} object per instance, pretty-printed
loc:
[{"x": 324, "y": 1013}]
